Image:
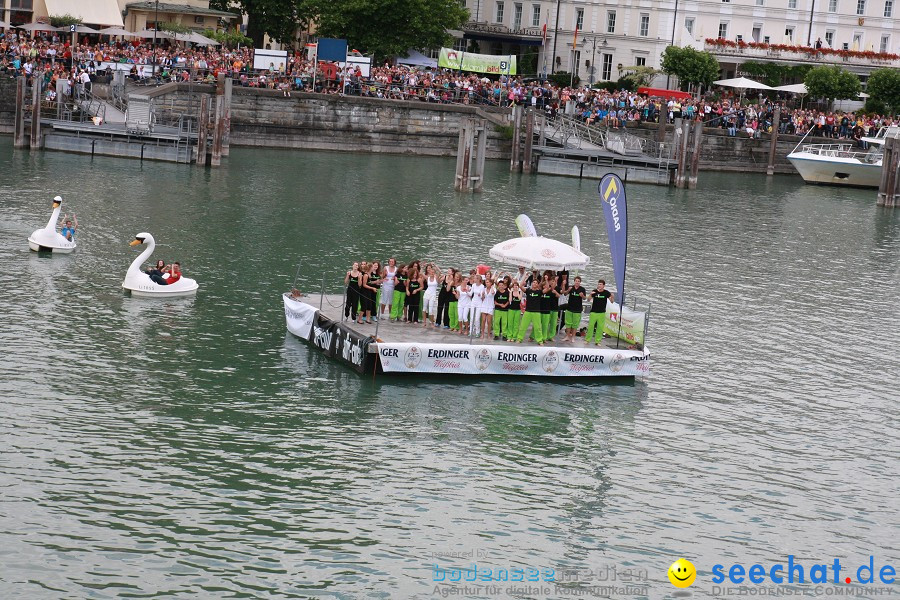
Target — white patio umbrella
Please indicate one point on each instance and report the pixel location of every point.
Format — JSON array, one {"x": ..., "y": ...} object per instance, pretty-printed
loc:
[
  {"x": 117, "y": 31},
  {"x": 196, "y": 38},
  {"x": 149, "y": 33},
  {"x": 199, "y": 38},
  {"x": 539, "y": 253},
  {"x": 4, "y": 25},
  {"x": 742, "y": 83},
  {"x": 795, "y": 88},
  {"x": 37, "y": 27}
]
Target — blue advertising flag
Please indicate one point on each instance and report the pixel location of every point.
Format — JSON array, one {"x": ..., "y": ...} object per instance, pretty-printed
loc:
[{"x": 612, "y": 197}]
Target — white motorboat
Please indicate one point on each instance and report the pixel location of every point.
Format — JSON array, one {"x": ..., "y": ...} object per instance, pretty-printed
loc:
[
  {"x": 844, "y": 163},
  {"x": 48, "y": 239},
  {"x": 139, "y": 282}
]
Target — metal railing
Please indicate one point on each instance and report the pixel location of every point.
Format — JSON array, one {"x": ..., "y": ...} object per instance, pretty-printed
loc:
[{"x": 840, "y": 151}]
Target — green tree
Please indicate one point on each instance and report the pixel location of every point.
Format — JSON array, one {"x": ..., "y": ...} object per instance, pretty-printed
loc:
[
  {"x": 64, "y": 20},
  {"x": 690, "y": 66},
  {"x": 832, "y": 83},
  {"x": 278, "y": 18},
  {"x": 884, "y": 88},
  {"x": 636, "y": 76},
  {"x": 774, "y": 74},
  {"x": 389, "y": 28}
]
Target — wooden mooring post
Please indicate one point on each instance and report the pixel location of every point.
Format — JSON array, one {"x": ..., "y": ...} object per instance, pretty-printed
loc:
[
  {"x": 695, "y": 155},
  {"x": 226, "y": 136},
  {"x": 218, "y": 122},
  {"x": 202, "y": 130},
  {"x": 470, "y": 155},
  {"x": 529, "y": 141},
  {"x": 36, "y": 113},
  {"x": 773, "y": 144},
  {"x": 515, "y": 160},
  {"x": 889, "y": 189},
  {"x": 19, "y": 140}
]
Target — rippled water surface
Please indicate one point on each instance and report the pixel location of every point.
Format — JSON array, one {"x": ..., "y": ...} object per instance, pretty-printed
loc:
[{"x": 190, "y": 448}]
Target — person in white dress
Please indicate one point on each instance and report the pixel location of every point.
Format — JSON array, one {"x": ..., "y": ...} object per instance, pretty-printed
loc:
[
  {"x": 487, "y": 309},
  {"x": 387, "y": 286},
  {"x": 432, "y": 278},
  {"x": 463, "y": 295},
  {"x": 478, "y": 290}
]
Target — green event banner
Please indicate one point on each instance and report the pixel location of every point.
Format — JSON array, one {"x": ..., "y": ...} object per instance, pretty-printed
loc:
[{"x": 477, "y": 63}]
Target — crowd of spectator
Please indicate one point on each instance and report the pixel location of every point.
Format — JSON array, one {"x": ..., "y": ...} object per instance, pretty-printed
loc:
[{"x": 49, "y": 57}]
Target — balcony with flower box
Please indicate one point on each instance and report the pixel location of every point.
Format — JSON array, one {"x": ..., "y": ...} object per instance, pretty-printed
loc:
[{"x": 723, "y": 48}]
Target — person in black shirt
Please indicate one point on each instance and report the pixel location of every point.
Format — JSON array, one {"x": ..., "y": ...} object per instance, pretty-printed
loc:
[
  {"x": 398, "y": 304},
  {"x": 352, "y": 280},
  {"x": 501, "y": 309},
  {"x": 532, "y": 314},
  {"x": 549, "y": 304},
  {"x": 577, "y": 294},
  {"x": 414, "y": 296},
  {"x": 599, "y": 297}
]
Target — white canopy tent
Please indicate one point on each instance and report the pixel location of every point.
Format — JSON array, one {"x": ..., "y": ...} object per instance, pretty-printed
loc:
[
  {"x": 539, "y": 253},
  {"x": 417, "y": 59}
]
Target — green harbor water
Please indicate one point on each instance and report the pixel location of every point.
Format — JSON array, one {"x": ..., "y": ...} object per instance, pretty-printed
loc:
[{"x": 191, "y": 448}]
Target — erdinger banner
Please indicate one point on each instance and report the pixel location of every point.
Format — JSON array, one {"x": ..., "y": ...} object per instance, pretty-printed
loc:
[
  {"x": 632, "y": 329},
  {"x": 533, "y": 361},
  {"x": 299, "y": 316},
  {"x": 612, "y": 196}
]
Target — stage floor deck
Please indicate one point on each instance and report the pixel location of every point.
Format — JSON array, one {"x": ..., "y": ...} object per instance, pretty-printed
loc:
[{"x": 389, "y": 331}]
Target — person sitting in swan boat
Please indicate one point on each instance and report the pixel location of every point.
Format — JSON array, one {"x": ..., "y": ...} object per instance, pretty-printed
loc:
[
  {"x": 68, "y": 231},
  {"x": 158, "y": 271},
  {"x": 165, "y": 275}
]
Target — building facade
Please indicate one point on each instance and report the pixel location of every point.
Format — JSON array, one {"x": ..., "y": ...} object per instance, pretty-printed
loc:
[
  {"x": 134, "y": 16},
  {"x": 613, "y": 36}
]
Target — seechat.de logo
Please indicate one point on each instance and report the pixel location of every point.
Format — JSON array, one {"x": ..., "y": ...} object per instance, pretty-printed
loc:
[{"x": 682, "y": 573}]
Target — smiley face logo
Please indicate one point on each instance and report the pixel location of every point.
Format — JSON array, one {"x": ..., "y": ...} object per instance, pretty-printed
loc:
[{"x": 682, "y": 573}]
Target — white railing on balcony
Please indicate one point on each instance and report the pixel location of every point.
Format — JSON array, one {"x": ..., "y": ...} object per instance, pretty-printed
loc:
[{"x": 799, "y": 56}]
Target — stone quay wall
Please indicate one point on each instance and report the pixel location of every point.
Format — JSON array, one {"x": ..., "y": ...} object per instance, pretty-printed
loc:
[
  {"x": 720, "y": 152},
  {"x": 320, "y": 122},
  {"x": 7, "y": 105}
]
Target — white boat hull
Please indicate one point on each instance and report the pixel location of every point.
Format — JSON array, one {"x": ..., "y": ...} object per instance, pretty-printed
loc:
[
  {"x": 154, "y": 290},
  {"x": 834, "y": 171},
  {"x": 38, "y": 247}
]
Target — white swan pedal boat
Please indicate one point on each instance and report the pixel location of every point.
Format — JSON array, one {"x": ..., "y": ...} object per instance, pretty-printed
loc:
[
  {"x": 140, "y": 284},
  {"x": 48, "y": 239}
]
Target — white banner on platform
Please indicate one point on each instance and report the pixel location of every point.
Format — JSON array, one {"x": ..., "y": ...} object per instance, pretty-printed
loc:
[
  {"x": 535, "y": 361},
  {"x": 300, "y": 317},
  {"x": 632, "y": 329}
]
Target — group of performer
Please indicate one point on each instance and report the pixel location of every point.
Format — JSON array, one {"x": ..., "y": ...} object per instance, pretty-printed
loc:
[{"x": 480, "y": 304}]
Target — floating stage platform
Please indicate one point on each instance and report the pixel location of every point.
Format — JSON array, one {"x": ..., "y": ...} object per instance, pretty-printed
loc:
[{"x": 389, "y": 347}]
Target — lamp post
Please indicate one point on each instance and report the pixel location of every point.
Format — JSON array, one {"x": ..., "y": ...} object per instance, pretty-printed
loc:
[
  {"x": 584, "y": 40},
  {"x": 155, "y": 27},
  {"x": 674, "y": 25},
  {"x": 555, "y": 32}
]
